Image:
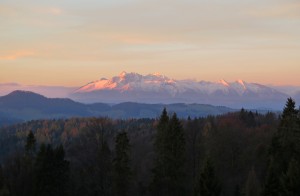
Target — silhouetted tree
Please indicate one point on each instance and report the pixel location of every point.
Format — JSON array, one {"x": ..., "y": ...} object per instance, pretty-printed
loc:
[
  {"x": 169, "y": 175},
  {"x": 208, "y": 184},
  {"x": 159, "y": 183},
  {"x": 272, "y": 186},
  {"x": 291, "y": 180},
  {"x": 284, "y": 148},
  {"x": 52, "y": 171},
  {"x": 122, "y": 171},
  {"x": 104, "y": 170},
  {"x": 30, "y": 144}
]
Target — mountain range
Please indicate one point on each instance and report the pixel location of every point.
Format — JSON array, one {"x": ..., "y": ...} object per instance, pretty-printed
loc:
[
  {"x": 157, "y": 88},
  {"x": 160, "y": 89},
  {"x": 20, "y": 106}
]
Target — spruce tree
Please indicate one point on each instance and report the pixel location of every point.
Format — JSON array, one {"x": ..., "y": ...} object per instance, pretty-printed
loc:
[
  {"x": 272, "y": 186},
  {"x": 284, "y": 148},
  {"x": 168, "y": 172},
  {"x": 104, "y": 170},
  {"x": 27, "y": 171},
  {"x": 30, "y": 144},
  {"x": 51, "y": 172},
  {"x": 158, "y": 184},
  {"x": 175, "y": 157},
  {"x": 290, "y": 181},
  {"x": 122, "y": 171},
  {"x": 208, "y": 183},
  {"x": 288, "y": 137},
  {"x": 61, "y": 170}
]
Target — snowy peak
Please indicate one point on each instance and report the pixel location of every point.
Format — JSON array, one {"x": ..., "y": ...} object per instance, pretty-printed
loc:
[
  {"x": 223, "y": 82},
  {"x": 123, "y": 74},
  {"x": 126, "y": 82},
  {"x": 157, "y": 88},
  {"x": 160, "y": 83},
  {"x": 242, "y": 83}
]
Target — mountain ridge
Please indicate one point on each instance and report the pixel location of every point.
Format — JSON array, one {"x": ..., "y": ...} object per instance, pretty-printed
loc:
[
  {"x": 157, "y": 88},
  {"x": 20, "y": 106}
]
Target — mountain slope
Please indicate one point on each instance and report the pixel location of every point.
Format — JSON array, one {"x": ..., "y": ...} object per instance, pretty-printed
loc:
[
  {"x": 21, "y": 106},
  {"x": 48, "y": 91},
  {"x": 27, "y": 106},
  {"x": 156, "y": 88}
]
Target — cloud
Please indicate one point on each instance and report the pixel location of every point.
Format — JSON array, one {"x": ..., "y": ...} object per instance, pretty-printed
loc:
[{"x": 17, "y": 55}]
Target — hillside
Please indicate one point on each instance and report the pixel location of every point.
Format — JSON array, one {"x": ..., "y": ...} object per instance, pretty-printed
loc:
[{"x": 20, "y": 106}]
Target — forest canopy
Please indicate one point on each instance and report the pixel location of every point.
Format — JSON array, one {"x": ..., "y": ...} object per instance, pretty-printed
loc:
[{"x": 239, "y": 153}]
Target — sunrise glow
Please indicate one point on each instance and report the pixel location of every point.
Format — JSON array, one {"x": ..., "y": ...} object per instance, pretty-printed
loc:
[{"x": 71, "y": 43}]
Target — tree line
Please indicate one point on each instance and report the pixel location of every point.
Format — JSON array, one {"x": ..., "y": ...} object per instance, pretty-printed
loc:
[{"x": 241, "y": 153}]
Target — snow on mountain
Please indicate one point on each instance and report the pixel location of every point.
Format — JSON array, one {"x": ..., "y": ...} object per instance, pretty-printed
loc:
[
  {"x": 130, "y": 81},
  {"x": 157, "y": 83},
  {"x": 157, "y": 88}
]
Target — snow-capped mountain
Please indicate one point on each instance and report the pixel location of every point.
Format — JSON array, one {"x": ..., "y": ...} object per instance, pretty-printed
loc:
[{"x": 156, "y": 88}]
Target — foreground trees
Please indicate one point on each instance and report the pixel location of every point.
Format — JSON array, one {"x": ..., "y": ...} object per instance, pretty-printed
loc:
[
  {"x": 51, "y": 171},
  {"x": 168, "y": 172},
  {"x": 167, "y": 156},
  {"x": 285, "y": 155},
  {"x": 122, "y": 171},
  {"x": 208, "y": 184}
]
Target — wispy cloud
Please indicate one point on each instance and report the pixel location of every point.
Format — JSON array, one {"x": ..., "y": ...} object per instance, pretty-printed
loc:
[{"x": 17, "y": 55}]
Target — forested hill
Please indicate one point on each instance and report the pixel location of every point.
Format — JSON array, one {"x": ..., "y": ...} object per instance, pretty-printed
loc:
[
  {"x": 20, "y": 106},
  {"x": 237, "y": 145}
]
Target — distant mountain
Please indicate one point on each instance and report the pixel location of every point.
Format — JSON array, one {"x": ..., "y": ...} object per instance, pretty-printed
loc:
[
  {"x": 27, "y": 105},
  {"x": 156, "y": 88},
  {"x": 20, "y": 106},
  {"x": 48, "y": 91}
]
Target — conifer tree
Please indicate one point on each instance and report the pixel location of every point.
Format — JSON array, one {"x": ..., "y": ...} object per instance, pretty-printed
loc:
[
  {"x": 291, "y": 180},
  {"x": 284, "y": 148},
  {"x": 30, "y": 144},
  {"x": 169, "y": 174},
  {"x": 51, "y": 171},
  {"x": 122, "y": 171},
  {"x": 61, "y": 170},
  {"x": 288, "y": 137},
  {"x": 105, "y": 170},
  {"x": 272, "y": 186},
  {"x": 175, "y": 157},
  {"x": 158, "y": 184},
  {"x": 27, "y": 171},
  {"x": 208, "y": 184}
]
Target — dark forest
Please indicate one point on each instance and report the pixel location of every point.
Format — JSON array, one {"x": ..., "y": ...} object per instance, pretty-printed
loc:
[{"x": 239, "y": 153}]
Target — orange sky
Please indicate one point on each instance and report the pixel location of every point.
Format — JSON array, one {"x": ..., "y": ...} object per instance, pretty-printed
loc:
[{"x": 73, "y": 42}]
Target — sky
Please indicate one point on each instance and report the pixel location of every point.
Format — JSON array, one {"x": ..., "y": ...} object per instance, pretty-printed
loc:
[{"x": 72, "y": 42}]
